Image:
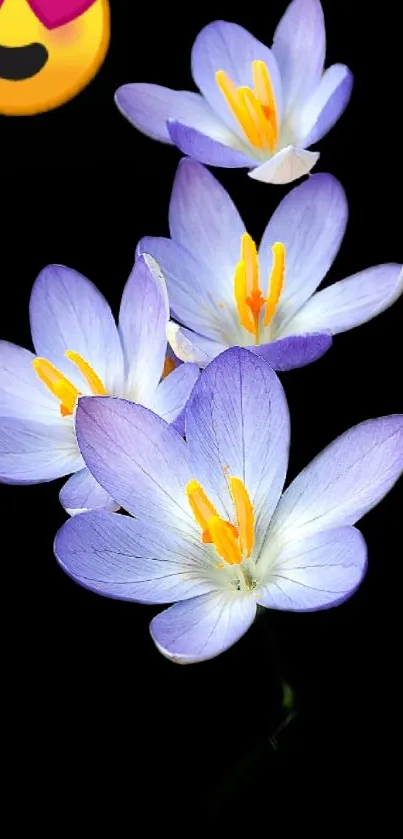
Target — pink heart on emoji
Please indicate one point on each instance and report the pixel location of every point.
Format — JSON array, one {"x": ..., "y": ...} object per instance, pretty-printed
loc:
[{"x": 53, "y": 13}]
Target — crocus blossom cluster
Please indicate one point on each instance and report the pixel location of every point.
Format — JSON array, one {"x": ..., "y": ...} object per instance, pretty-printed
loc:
[
  {"x": 213, "y": 534},
  {"x": 258, "y": 108},
  {"x": 80, "y": 350}
]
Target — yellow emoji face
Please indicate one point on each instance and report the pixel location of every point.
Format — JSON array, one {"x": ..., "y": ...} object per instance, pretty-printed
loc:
[{"x": 49, "y": 51}]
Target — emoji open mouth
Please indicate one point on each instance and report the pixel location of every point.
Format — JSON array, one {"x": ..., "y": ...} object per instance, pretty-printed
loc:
[{"x": 18, "y": 63}]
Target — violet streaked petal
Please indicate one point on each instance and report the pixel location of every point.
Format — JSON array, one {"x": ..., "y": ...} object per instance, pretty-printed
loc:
[
  {"x": 202, "y": 146},
  {"x": 299, "y": 46},
  {"x": 143, "y": 317},
  {"x": 295, "y": 351},
  {"x": 172, "y": 394},
  {"x": 191, "y": 347},
  {"x": 315, "y": 572},
  {"x": 82, "y": 493},
  {"x": 310, "y": 221},
  {"x": 325, "y": 106},
  {"x": 138, "y": 458},
  {"x": 344, "y": 482},
  {"x": 237, "y": 424},
  {"x": 22, "y": 394},
  {"x": 67, "y": 312},
  {"x": 32, "y": 452},
  {"x": 126, "y": 559},
  {"x": 350, "y": 302},
  {"x": 202, "y": 628},
  {"x": 285, "y": 166},
  {"x": 227, "y": 46}
]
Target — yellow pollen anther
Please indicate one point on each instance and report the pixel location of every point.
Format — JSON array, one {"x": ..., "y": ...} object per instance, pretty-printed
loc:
[
  {"x": 244, "y": 515},
  {"x": 247, "y": 292},
  {"x": 60, "y": 386},
  {"x": 169, "y": 367},
  {"x": 225, "y": 541},
  {"x": 276, "y": 281},
  {"x": 233, "y": 543},
  {"x": 255, "y": 110}
]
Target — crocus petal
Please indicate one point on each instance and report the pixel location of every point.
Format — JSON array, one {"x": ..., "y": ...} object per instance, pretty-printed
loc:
[
  {"x": 32, "y": 452},
  {"x": 67, "y": 312},
  {"x": 126, "y": 559},
  {"x": 22, "y": 394},
  {"x": 143, "y": 316},
  {"x": 237, "y": 424},
  {"x": 82, "y": 493},
  {"x": 299, "y": 46},
  {"x": 350, "y": 302},
  {"x": 202, "y": 628},
  {"x": 173, "y": 392},
  {"x": 227, "y": 46},
  {"x": 317, "y": 572},
  {"x": 193, "y": 298},
  {"x": 296, "y": 351},
  {"x": 149, "y": 107},
  {"x": 310, "y": 221},
  {"x": 138, "y": 458},
  {"x": 286, "y": 166},
  {"x": 326, "y": 104},
  {"x": 191, "y": 347},
  {"x": 343, "y": 482},
  {"x": 202, "y": 146},
  {"x": 204, "y": 220}
]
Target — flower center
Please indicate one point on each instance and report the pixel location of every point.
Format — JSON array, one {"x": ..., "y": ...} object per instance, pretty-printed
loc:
[
  {"x": 254, "y": 109},
  {"x": 233, "y": 543},
  {"x": 248, "y": 294},
  {"x": 60, "y": 386}
]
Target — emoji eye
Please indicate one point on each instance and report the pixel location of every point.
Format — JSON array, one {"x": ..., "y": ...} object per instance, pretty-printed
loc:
[{"x": 52, "y": 14}]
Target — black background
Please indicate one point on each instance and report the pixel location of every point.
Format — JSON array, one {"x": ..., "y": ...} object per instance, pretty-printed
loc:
[{"x": 90, "y": 704}]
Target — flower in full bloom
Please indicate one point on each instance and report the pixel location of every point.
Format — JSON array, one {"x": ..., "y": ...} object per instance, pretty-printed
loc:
[
  {"x": 225, "y": 292},
  {"x": 258, "y": 108},
  {"x": 80, "y": 350},
  {"x": 213, "y": 534}
]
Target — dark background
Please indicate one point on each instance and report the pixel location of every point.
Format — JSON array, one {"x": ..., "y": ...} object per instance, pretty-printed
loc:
[{"x": 90, "y": 703}]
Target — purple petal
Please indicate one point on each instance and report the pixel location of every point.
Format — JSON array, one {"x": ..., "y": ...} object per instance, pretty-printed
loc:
[
  {"x": 295, "y": 351},
  {"x": 317, "y": 572},
  {"x": 204, "y": 220},
  {"x": 343, "y": 482},
  {"x": 138, "y": 458},
  {"x": 351, "y": 302},
  {"x": 149, "y": 107},
  {"x": 191, "y": 347},
  {"x": 227, "y": 46},
  {"x": 285, "y": 166},
  {"x": 119, "y": 557},
  {"x": 22, "y": 394},
  {"x": 173, "y": 392},
  {"x": 299, "y": 46},
  {"x": 237, "y": 424},
  {"x": 143, "y": 317},
  {"x": 202, "y": 628},
  {"x": 82, "y": 493},
  {"x": 67, "y": 312},
  {"x": 310, "y": 221},
  {"x": 326, "y": 104},
  {"x": 33, "y": 452},
  {"x": 202, "y": 147}
]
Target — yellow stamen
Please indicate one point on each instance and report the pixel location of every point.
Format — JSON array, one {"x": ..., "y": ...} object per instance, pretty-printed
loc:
[
  {"x": 250, "y": 258},
  {"x": 244, "y": 514},
  {"x": 255, "y": 110},
  {"x": 276, "y": 281},
  {"x": 90, "y": 376},
  {"x": 225, "y": 542},
  {"x": 58, "y": 384},
  {"x": 241, "y": 293},
  {"x": 169, "y": 367},
  {"x": 202, "y": 509}
]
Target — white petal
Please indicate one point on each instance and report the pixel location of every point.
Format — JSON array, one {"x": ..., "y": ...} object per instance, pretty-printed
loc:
[{"x": 286, "y": 166}]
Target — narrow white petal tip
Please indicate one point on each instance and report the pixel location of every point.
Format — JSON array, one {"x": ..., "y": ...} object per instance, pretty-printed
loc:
[
  {"x": 286, "y": 166},
  {"x": 182, "y": 347}
]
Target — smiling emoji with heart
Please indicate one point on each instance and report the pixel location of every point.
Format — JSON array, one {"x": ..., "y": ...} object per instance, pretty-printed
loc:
[{"x": 49, "y": 51}]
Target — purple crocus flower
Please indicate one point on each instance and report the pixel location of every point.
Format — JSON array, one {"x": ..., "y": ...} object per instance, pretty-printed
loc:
[
  {"x": 80, "y": 350},
  {"x": 213, "y": 533},
  {"x": 225, "y": 292},
  {"x": 258, "y": 108}
]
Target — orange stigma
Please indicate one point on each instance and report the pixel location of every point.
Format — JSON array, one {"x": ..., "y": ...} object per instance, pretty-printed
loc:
[
  {"x": 254, "y": 109},
  {"x": 248, "y": 294},
  {"x": 60, "y": 386},
  {"x": 233, "y": 543}
]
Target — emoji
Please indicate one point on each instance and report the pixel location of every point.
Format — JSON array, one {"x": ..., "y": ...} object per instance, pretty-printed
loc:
[{"x": 49, "y": 51}]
